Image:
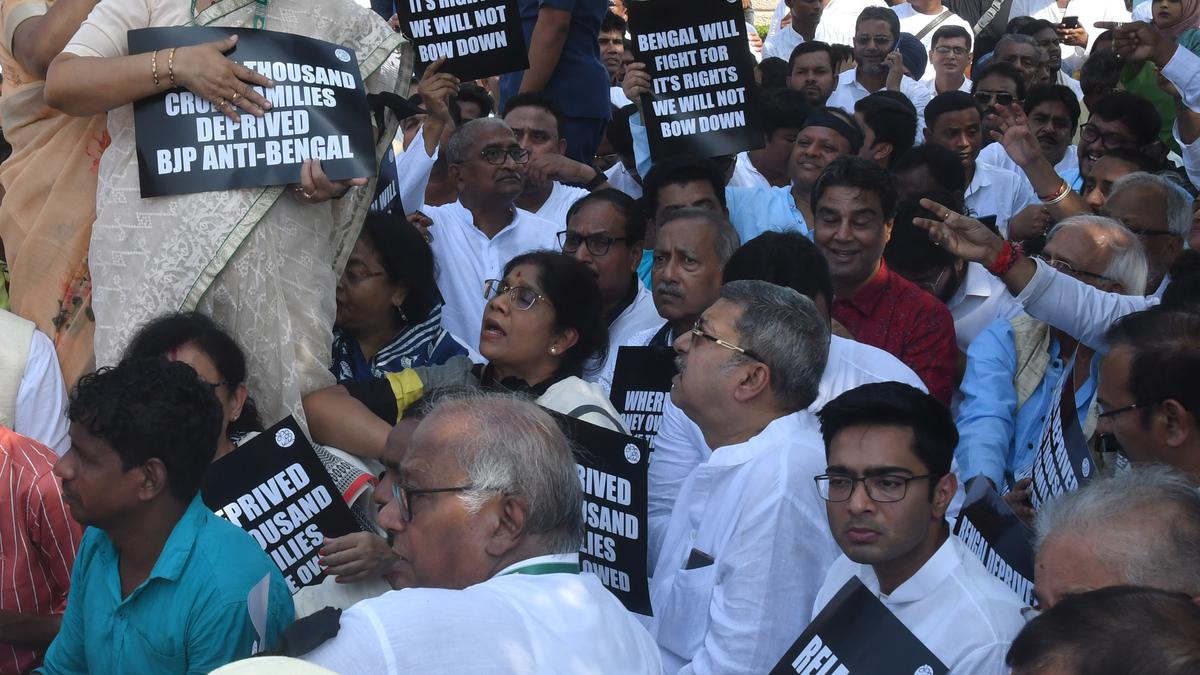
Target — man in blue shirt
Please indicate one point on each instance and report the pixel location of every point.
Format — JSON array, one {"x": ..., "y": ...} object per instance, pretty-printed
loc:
[
  {"x": 563, "y": 38},
  {"x": 160, "y": 584}
]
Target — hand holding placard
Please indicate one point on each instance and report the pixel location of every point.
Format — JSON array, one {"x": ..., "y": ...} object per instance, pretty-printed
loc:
[
  {"x": 476, "y": 39},
  {"x": 206, "y": 72}
]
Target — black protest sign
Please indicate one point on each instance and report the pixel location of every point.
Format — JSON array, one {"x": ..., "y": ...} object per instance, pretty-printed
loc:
[
  {"x": 387, "y": 188},
  {"x": 702, "y": 77},
  {"x": 318, "y": 111},
  {"x": 274, "y": 487},
  {"x": 478, "y": 38},
  {"x": 641, "y": 385},
  {"x": 612, "y": 472},
  {"x": 855, "y": 634},
  {"x": 993, "y": 532},
  {"x": 1063, "y": 461}
]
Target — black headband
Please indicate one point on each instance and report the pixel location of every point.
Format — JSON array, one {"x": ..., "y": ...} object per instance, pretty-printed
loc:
[{"x": 851, "y": 132}]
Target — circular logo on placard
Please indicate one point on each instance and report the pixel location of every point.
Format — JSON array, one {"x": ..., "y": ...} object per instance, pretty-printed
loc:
[
  {"x": 342, "y": 55},
  {"x": 284, "y": 438},
  {"x": 923, "y": 670},
  {"x": 632, "y": 454},
  {"x": 1086, "y": 467}
]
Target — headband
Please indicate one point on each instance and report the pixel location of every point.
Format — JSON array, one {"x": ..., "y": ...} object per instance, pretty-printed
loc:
[{"x": 824, "y": 118}]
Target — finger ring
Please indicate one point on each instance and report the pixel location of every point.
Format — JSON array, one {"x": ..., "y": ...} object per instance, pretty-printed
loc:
[
  {"x": 235, "y": 97},
  {"x": 222, "y": 103},
  {"x": 308, "y": 195}
]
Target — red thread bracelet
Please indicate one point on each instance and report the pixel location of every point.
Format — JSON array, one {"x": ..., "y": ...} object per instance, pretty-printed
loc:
[{"x": 1008, "y": 257}]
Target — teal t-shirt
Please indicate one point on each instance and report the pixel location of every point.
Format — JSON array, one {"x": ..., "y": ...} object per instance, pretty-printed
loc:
[{"x": 191, "y": 615}]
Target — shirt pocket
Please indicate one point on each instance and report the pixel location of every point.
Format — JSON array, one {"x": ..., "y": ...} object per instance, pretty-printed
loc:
[
  {"x": 684, "y": 618},
  {"x": 154, "y": 653}
]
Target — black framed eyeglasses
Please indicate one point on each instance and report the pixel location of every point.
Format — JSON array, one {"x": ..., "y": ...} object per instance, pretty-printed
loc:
[
  {"x": 697, "y": 331},
  {"x": 597, "y": 244},
  {"x": 1133, "y": 406},
  {"x": 496, "y": 156},
  {"x": 884, "y": 488},
  {"x": 403, "y": 496},
  {"x": 1067, "y": 268},
  {"x": 1091, "y": 133},
  {"x": 522, "y": 297},
  {"x": 985, "y": 98}
]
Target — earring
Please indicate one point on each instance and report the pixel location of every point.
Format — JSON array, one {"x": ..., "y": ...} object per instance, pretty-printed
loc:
[
  {"x": 403, "y": 316},
  {"x": 554, "y": 350}
]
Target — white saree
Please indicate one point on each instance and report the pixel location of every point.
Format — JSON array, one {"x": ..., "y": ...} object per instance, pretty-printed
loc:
[{"x": 260, "y": 262}]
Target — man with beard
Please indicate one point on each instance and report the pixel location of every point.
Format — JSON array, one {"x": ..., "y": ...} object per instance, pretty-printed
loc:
[
  {"x": 1021, "y": 52},
  {"x": 811, "y": 72},
  {"x": 876, "y": 32},
  {"x": 474, "y": 236},
  {"x": 898, "y": 443},
  {"x": 1053, "y": 113}
]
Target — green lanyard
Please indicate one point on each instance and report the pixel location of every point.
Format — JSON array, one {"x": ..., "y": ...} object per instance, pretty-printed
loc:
[
  {"x": 546, "y": 568},
  {"x": 260, "y": 13}
]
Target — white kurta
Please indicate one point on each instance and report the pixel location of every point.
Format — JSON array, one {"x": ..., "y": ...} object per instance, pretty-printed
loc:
[
  {"x": 639, "y": 317},
  {"x": 980, "y": 299},
  {"x": 561, "y": 198},
  {"x": 960, "y": 611},
  {"x": 849, "y": 91},
  {"x": 998, "y": 192},
  {"x": 515, "y": 623}
]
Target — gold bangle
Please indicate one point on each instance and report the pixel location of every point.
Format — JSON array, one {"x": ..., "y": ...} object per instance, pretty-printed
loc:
[
  {"x": 154, "y": 67},
  {"x": 171, "y": 65}
]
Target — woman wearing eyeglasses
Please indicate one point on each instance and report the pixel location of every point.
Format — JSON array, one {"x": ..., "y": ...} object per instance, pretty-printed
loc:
[{"x": 541, "y": 324}]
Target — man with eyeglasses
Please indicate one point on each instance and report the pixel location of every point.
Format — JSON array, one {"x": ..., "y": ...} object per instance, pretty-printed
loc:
[
  {"x": 949, "y": 57},
  {"x": 922, "y": 19},
  {"x": 887, "y": 485},
  {"x": 1159, "y": 213},
  {"x": 1014, "y": 365},
  {"x": 475, "y": 236},
  {"x": 876, "y": 32},
  {"x": 605, "y": 231},
  {"x": 486, "y": 523},
  {"x": 1118, "y": 120},
  {"x": 996, "y": 87},
  {"x": 746, "y": 545}
]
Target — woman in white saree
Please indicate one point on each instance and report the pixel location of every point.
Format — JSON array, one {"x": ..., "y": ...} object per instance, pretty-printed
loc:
[{"x": 262, "y": 262}]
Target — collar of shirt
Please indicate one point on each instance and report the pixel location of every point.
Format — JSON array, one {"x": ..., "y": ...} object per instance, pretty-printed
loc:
[
  {"x": 772, "y": 437},
  {"x": 975, "y": 284},
  {"x": 867, "y": 298},
  {"x": 928, "y": 579},
  {"x": 469, "y": 217},
  {"x": 984, "y": 177},
  {"x": 175, "y": 552},
  {"x": 534, "y": 565},
  {"x": 663, "y": 338}
]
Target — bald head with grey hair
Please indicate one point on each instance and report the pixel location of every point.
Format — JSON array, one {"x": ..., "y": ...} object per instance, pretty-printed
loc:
[
  {"x": 1127, "y": 264},
  {"x": 1138, "y": 527},
  {"x": 725, "y": 239},
  {"x": 463, "y": 141}
]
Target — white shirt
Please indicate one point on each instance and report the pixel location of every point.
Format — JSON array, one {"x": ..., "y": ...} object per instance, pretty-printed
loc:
[
  {"x": 620, "y": 178},
  {"x": 40, "y": 410},
  {"x": 745, "y": 175},
  {"x": 1183, "y": 70},
  {"x": 413, "y": 166},
  {"x": 1070, "y": 83},
  {"x": 512, "y": 623},
  {"x": 636, "y": 339},
  {"x": 981, "y": 298},
  {"x": 639, "y": 317},
  {"x": 913, "y": 22},
  {"x": 466, "y": 258},
  {"x": 1088, "y": 11},
  {"x": 679, "y": 446},
  {"x": 995, "y": 155},
  {"x": 781, "y": 44},
  {"x": 931, "y": 85},
  {"x": 617, "y": 97},
  {"x": 998, "y": 192},
  {"x": 838, "y": 20},
  {"x": 849, "y": 91},
  {"x": 754, "y": 509},
  {"x": 1190, "y": 153},
  {"x": 555, "y": 208},
  {"x": 960, "y": 611}
]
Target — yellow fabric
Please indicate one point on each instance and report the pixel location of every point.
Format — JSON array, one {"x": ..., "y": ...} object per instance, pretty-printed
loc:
[{"x": 407, "y": 388}]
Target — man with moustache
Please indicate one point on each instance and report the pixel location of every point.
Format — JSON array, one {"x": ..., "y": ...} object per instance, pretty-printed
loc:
[
  {"x": 897, "y": 443},
  {"x": 876, "y": 32},
  {"x": 475, "y": 236},
  {"x": 811, "y": 72},
  {"x": 1053, "y": 114}
]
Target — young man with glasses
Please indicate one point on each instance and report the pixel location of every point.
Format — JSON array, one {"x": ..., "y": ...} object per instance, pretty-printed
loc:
[
  {"x": 475, "y": 236},
  {"x": 923, "y": 19},
  {"x": 949, "y": 57},
  {"x": 887, "y": 486}
]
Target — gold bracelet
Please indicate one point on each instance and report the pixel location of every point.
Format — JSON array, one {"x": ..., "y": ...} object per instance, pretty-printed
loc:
[
  {"x": 171, "y": 66},
  {"x": 154, "y": 67}
]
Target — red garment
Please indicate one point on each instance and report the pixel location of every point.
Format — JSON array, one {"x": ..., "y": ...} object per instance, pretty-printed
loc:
[
  {"x": 38, "y": 539},
  {"x": 895, "y": 315}
]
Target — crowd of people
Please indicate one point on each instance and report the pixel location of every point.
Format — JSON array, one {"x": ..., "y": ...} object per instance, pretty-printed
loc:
[{"x": 962, "y": 228}]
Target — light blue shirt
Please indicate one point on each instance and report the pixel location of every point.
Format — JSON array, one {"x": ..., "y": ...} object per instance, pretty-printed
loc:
[
  {"x": 996, "y": 439},
  {"x": 191, "y": 615},
  {"x": 752, "y": 210}
]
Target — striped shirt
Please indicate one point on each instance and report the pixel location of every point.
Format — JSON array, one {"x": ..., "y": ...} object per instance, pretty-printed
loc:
[{"x": 38, "y": 539}]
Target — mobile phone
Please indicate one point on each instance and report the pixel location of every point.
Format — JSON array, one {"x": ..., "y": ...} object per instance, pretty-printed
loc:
[{"x": 1070, "y": 22}]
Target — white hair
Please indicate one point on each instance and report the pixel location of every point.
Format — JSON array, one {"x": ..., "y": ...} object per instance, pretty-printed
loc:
[
  {"x": 1127, "y": 264},
  {"x": 1178, "y": 201}
]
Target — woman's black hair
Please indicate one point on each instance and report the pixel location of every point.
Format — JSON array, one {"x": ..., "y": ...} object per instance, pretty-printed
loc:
[
  {"x": 407, "y": 260},
  {"x": 162, "y": 335},
  {"x": 571, "y": 288}
]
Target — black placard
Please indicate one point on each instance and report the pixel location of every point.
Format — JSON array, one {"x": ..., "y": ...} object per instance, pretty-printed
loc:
[
  {"x": 702, "y": 77},
  {"x": 855, "y": 634},
  {"x": 275, "y": 488},
  {"x": 319, "y": 111},
  {"x": 479, "y": 38},
  {"x": 1063, "y": 461},
  {"x": 993, "y": 532},
  {"x": 387, "y": 188},
  {"x": 612, "y": 472},
  {"x": 640, "y": 387}
]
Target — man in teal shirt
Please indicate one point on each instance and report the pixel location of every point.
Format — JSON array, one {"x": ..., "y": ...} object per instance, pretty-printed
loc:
[{"x": 160, "y": 584}]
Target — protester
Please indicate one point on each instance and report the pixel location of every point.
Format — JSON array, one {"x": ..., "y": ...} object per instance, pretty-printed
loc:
[
  {"x": 929, "y": 168},
  {"x": 811, "y": 71},
  {"x": 855, "y": 206},
  {"x": 39, "y": 542},
  {"x": 160, "y": 583},
  {"x": 1078, "y": 35},
  {"x": 805, "y": 16},
  {"x": 422, "y": 172},
  {"x": 922, "y": 19},
  {"x": 473, "y": 102},
  {"x": 1046, "y": 36},
  {"x": 1022, "y": 52},
  {"x": 389, "y": 316},
  {"x": 876, "y": 32},
  {"x": 263, "y": 259},
  {"x": 1136, "y": 527},
  {"x": 898, "y": 442},
  {"x": 745, "y": 541},
  {"x": 1118, "y": 120},
  {"x": 783, "y": 112},
  {"x": 996, "y": 87},
  {"x": 889, "y": 126},
  {"x": 33, "y": 400},
  {"x": 1115, "y": 163},
  {"x": 49, "y": 185},
  {"x": 486, "y": 520},
  {"x": 949, "y": 56},
  {"x": 1159, "y": 212},
  {"x": 612, "y": 46},
  {"x": 624, "y": 174},
  {"x": 1053, "y": 113},
  {"x": 673, "y": 185}
]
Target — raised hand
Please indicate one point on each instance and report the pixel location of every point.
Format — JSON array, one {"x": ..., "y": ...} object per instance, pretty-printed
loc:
[
  {"x": 1139, "y": 41},
  {"x": 961, "y": 235},
  {"x": 206, "y": 72},
  {"x": 436, "y": 88}
]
